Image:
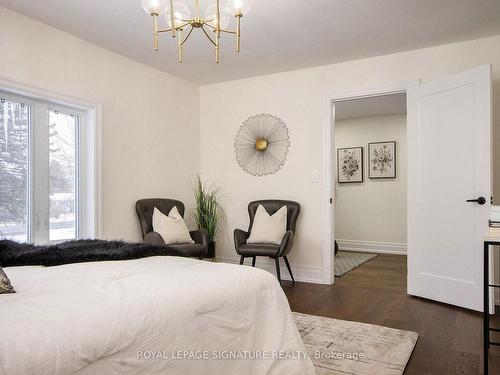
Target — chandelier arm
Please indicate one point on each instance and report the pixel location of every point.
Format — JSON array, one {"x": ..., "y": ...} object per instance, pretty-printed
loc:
[
  {"x": 238, "y": 32},
  {"x": 183, "y": 25},
  {"x": 208, "y": 36},
  {"x": 164, "y": 30},
  {"x": 217, "y": 32},
  {"x": 179, "y": 46},
  {"x": 155, "y": 32},
  {"x": 206, "y": 22},
  {"x": 171, "y": 16},
  {"x": 217, "y": 15},
  {"x": 187, "y": 36},
  {"x": 177, "y": 28},
  {"x": 217, "y": 48},
  {"x": 197, "y": 8},
  {"x": 229, "y": 31}
]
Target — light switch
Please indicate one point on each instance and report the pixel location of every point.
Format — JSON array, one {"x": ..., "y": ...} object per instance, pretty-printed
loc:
[{"x": 315, "y": 177}]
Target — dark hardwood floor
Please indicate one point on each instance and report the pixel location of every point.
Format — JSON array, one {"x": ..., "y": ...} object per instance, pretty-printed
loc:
[{"x": 450, "y": 338}]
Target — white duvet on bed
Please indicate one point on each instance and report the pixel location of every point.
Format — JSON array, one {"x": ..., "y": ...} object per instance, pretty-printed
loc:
[{"x": 108, "y": 317}]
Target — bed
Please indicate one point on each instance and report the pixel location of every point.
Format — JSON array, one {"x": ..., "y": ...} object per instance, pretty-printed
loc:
[{"x": 154, "y": 315}]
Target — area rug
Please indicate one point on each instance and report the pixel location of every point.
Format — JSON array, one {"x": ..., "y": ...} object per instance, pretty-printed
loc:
[
  {"x": 346, "y": 261},
  {"x": 343, "y": 347}
]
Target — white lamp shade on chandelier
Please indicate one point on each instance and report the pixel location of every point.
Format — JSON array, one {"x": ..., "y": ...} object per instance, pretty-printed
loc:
[
  {"x": 239, "y": 6},
  {"x": 211, "y": 15},
  {"x": 157, "y": 7},
  {"x": 181, "y": 14},
  {"x": 181, "y": 18}
]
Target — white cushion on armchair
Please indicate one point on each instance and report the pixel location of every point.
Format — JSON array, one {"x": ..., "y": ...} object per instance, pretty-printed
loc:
[
  {"x": 268, "y": 228},
  {"x": 171, "y": 228}
]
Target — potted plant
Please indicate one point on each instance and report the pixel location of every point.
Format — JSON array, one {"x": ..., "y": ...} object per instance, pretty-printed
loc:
[{"x": 208, "y": 214}]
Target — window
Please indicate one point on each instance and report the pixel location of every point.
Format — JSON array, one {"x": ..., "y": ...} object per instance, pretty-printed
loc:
[{"x": 41, "y": 170}]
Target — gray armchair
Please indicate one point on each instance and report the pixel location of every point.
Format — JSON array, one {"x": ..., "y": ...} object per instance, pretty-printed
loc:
[
  {"x": 145, "y": 208},
  {"x": 254, "y": 250}
]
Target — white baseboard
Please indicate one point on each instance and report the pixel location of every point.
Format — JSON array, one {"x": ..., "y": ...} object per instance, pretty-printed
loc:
[
  {"x": 305, "y": 274},
  {"x": 372, "y": 247}
]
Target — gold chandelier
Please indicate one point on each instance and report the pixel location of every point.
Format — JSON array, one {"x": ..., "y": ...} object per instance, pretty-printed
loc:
[{"x": 214, "y": 22}]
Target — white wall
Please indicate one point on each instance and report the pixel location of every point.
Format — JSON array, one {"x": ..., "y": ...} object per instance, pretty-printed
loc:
[
  {"x": 374, "y": 211},
  {"x": 150, "y": 119},
  {"x": 298, "y": 98}
]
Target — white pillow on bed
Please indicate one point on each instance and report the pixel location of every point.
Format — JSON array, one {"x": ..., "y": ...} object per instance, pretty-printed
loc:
[
  {"x": 171, "y": 228},
  {"x": 268, "y": 228}
]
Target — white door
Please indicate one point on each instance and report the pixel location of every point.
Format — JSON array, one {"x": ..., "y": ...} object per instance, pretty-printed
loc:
[{"x": 449, "y": 162}]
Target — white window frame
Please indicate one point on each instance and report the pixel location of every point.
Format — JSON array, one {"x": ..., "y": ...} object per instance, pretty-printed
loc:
[{"x": 88, "y": 185}]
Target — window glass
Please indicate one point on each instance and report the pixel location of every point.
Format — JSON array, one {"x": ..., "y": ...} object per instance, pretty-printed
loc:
[
  {"x": 62, "y": 176},
  {"x": 14, "y": 170}
]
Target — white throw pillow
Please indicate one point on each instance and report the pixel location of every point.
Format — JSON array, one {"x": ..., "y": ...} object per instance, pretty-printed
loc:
[
  {"x": 171, "y": 228},
  {"x": 267, "y": 228}
]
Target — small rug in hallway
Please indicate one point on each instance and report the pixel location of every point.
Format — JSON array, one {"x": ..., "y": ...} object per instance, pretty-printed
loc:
[
  {"x": 346, "y": 261},
  {"x": 343, "y": 347}
]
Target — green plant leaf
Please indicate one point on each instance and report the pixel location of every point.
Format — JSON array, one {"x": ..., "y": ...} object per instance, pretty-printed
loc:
[{"x": 209, "y": 213}]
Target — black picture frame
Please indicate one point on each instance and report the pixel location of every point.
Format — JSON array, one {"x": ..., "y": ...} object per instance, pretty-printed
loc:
[
  {"x": 370, "y": 167},
  {"x": 361, "y": 160}
]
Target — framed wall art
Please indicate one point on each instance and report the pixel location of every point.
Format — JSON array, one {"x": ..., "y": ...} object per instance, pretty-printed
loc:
[
  {"x": 382, "y": 159},
  {"x": 350, "y": 164}
]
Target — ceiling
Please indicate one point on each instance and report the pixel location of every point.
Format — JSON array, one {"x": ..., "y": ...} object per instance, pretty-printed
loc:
[
  {"x": 382, "y": 105},
  {"x": 277, "y": 35}
]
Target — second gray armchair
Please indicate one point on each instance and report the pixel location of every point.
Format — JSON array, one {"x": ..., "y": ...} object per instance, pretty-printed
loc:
[{"x": 254, "y": 250}]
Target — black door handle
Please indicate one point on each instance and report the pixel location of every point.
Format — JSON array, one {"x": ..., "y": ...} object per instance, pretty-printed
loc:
[{"x": 480, "y": 200}]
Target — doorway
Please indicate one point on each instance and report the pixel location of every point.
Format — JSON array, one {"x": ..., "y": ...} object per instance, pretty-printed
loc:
[{"x": 370, "y": 179}]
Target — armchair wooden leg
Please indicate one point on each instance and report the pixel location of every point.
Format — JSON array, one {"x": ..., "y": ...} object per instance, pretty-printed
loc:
[
  {"x": 242, "y": 258},
  {"x": 278, "y": 275},
  {"x": 289, "y": 268},
  {"x": 253, "y": 261}
]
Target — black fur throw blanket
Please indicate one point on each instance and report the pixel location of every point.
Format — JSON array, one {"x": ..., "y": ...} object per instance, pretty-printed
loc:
[{"x": 21, "y": 254}]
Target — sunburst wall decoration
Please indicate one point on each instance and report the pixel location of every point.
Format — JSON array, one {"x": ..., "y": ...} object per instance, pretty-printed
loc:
[{"x": 261, "y": 144}]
